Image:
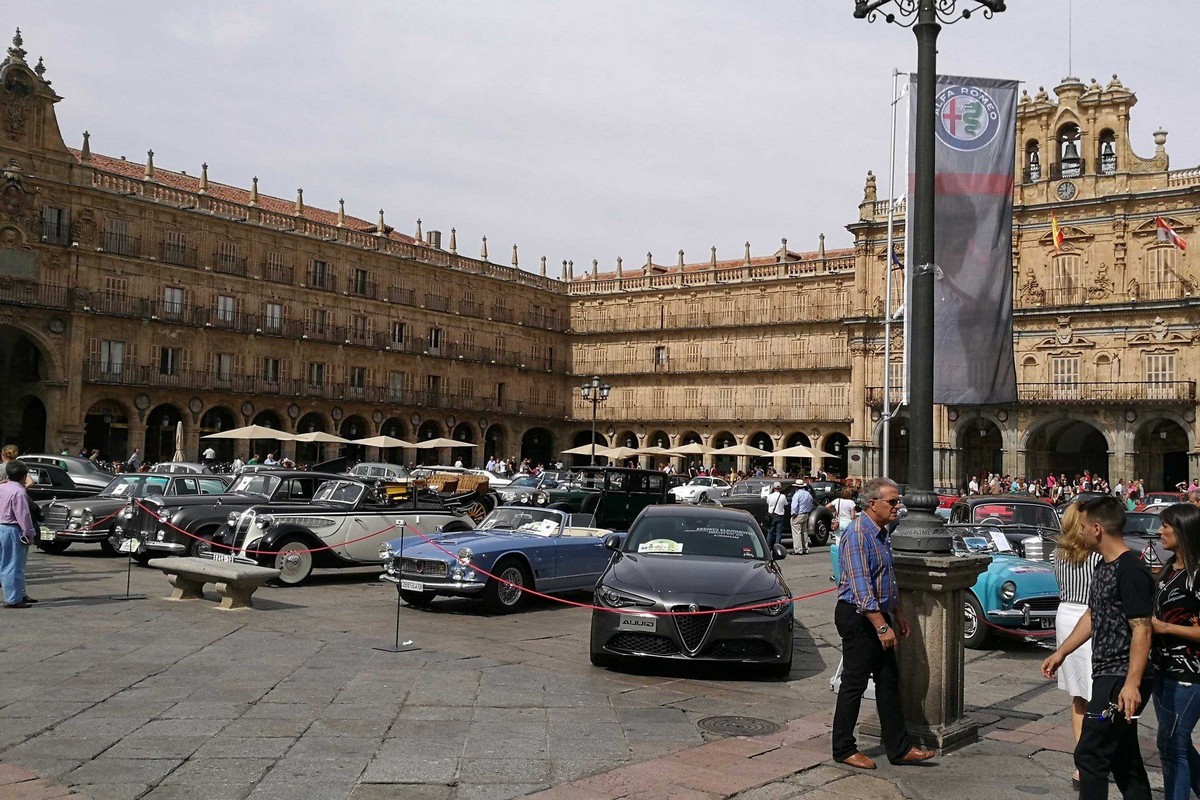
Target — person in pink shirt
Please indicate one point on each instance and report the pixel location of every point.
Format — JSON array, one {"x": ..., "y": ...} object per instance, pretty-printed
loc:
[{"x": 17, "y": 533}]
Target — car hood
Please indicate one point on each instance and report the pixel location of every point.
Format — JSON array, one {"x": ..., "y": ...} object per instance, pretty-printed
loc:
[
  {"x": 1031, "y": 577},
  {"x": 94, "y": 502},
  {"x": 222, "y": 499},
  {"x": 680, "y": 579},
  {"x": 478, "y": 541}
]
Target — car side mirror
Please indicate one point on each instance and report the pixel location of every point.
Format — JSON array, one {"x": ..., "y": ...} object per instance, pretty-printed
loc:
[
  {"x": 612, "y": 542},
  {"x": 779, "y": 552}
]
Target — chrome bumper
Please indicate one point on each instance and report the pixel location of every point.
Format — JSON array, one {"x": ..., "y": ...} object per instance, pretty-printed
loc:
[{"x": 458, "y": 587}]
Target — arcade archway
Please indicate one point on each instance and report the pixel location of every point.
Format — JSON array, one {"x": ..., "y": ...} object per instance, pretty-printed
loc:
[
  {"x": 161, "y": 426},
  {"x": 837, "y": 444},
  {"x": 495, "y": 442},
  {"x": 980, "y": 450},
  {"x": 25, "y": 369},
  {"x": 463, "y": 432},
  {"x": 582, "y": 439},
  {"x": 354, "y": 427},
  {"x": 1066, "y": 446},
  {"x": 106, "y": 428},
  {"x": 395, "y": 428},
  {"x": 267, "y": 419},
  {"x": 308, "y": 452},
  {"x": 797, "y": 466},
  {"x": 1161, "y": 449},
  {"x": 31, "y": 435},
  {"x": 537, "y": 446},
  {"x": 430, "y": 429},
  {"x": 215, "y": 420},
  {"x": 897, "y": 467},
  {"x": 724, "y": 464}
]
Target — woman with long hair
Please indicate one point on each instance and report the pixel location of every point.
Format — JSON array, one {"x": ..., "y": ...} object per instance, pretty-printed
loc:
[
  {"x": 1074, "y": 564},
  {"x": 1176, "y": 651}
]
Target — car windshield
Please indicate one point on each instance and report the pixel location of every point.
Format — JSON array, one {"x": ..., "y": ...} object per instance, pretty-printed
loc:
[
  {"x": 687, "y": 535},
  {"x": 339, "y": 492},
  {"x": 524, "y": 481},
  {"x": 1038, "y": 514},
  {"x": 541, "y": 521},
  {"x": 748, "y": 487},
  {"x": 1145, "y": 524},
  {"x": 135, "y": 486},
  {"x": 700, "y": 482},
  {"x": 255, "y": 483}
]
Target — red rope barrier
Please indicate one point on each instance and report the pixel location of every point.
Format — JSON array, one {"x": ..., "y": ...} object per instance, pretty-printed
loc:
[{"x": 576, "y": 604}]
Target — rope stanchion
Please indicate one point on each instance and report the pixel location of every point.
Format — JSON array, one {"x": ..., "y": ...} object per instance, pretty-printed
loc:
[{"x": 593, "y": 607}]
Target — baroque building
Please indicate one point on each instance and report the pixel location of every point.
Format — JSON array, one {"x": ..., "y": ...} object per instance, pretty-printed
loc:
[{"x": 137, "y": 300}]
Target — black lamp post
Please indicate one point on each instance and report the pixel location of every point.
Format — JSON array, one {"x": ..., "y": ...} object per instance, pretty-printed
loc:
[
  {"x": 596, "y": 393},
  {"x": 919, "y": 531}
]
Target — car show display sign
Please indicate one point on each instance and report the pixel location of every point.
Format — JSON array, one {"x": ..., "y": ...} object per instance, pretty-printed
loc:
[{"x": 973, "y": 205}]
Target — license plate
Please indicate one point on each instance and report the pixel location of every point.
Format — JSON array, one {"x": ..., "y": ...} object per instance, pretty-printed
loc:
[
  {"x": 46, "y": 536},
  {"x": 638, "y": 623},
  {"x": 412, "y": 586},
  {"x": 1047, "y": 622},
  {"x": 224, "y": 558}
]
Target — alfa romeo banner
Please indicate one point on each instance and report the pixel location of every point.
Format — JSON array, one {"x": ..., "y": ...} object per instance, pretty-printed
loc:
[{"x": 973, "y": 287}]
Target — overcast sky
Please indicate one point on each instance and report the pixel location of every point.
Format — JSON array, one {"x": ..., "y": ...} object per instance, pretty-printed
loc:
[{"x": 577, "y": 129}]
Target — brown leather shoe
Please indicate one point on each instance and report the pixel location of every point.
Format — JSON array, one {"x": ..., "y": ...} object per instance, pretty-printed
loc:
[
  {"x": 860, "y": 761},
  {"x": 916, "y": 755}
]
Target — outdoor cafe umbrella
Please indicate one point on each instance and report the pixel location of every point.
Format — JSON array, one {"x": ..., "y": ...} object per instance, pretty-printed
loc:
[
  {"x": 318, "y": 436},
  {"x": 742, "y": 450},
  {"x": 621, "y": 453},
  {"x": 251, "y": 432},
  {"x": 657, "y": 451},
  {"x": 693, "y": 449},
  {"x": 384, "y": 442},
  {"x": 798, "y": 451},
  {"x": 179, "y": 442},
  {"x": 586, "y": 450},
  {"x": 440, "y": 442}
]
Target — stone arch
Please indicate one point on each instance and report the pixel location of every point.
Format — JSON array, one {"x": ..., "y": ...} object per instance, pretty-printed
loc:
[
  {"x": 897, "y": 446},
  {"x": 215, "y": 420},
  {"x": 1067, "y": 444},
  {"x": 763, "y": 441},
  {"x": 495, "y": 442},
  {"x": 28, "y": 362},
  {"x": 582, "y": 439},
  {"x": 429, "y": 429},
  {"x": 397, "y": 429},
  {"x": 354, "y": 426},
  {"x": 537, "y": 445},
  {"x": 838, "y": 444},
  {"x": 624, "y": 439},
  {"x": 161, "y": 426},
  {"x": 106, "y": 428},
  {"x": 31, "y": 435},
  {"x": 309, "y": 452},
  {"x": 721, "y": 440},
  {"x": 463, "y": 432},
  {"x": 1161, "y": 444},
  {"x": 690, "y": 437},
  {"x": 797, "y": 466},
  {"x": 267, "y": 419},
  {"x": 979, "y": 440}
]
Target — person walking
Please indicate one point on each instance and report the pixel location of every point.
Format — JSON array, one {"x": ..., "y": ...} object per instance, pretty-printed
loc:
[
  {"x": 1118, "y": 623},
  {"x": 802, "y": 506},
  {"x": 17, "y": 534},
  {"x": 1074, "y": 564},
  {"x": 134, "y": 461},
  {"x": 870, "y": 622},
  {"x": 843, "y": 509},
  {"x": 777, "y": 515},
  {"x": 1176, "y": 651}
]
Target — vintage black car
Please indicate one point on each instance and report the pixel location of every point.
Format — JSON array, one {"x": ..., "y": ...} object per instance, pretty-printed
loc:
[
  {"x": 50, "y": 483},
  {"x": 614, "y": 495},
  {"x": 1030, "y": 525},
  {"x": 155, "y": 522},
  {"x": 751, "y": 495},
  {"x": 91, "y": 520},
  {"x": 84, "y": 472}
]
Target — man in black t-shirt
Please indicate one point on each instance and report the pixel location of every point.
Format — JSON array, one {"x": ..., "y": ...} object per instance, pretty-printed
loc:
[{"x": 1117, "y": 621}]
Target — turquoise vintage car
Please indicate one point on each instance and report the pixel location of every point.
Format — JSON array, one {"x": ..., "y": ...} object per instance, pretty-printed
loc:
[{"x": 1013, "y": 596}]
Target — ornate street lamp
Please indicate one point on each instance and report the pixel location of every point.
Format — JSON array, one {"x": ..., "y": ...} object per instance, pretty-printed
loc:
[
  {"x": 920, "y": 531},
  {"x": 596, "y": 393}
]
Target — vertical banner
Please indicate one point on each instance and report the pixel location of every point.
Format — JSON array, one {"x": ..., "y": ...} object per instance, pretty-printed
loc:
[{"x": 973, "y": 208}]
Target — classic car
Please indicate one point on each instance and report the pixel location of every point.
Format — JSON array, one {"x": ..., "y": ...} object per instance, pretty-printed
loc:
[
  {"x": 181, "y": 468},
  {"x": 378, "y": 469},
  {"x": 544, "y": 549},
  {"x": 1153, "y": 499},
  {"x": 68, "y": 522},
  {"x": 1142, "y": 537},
  {"x": 83, "y": 472},
  {"x": 700, "y": 489},
  {"x": 1030, "y": 524},
  {"x": 751, "y": 495},
  {"x": 698, "y": 560},
  {"x": 522, "y": 488},
  {"x": 614, "y": 495},
  {"x": 342, "y": 526},
  {"x": 187, "y": 525},
  {"x": 51, "y": 483},
  {"x": 1014, "y": 595}
]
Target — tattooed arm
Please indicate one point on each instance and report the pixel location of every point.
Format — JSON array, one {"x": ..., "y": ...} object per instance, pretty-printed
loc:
[{"x": 1130, "y": 698}]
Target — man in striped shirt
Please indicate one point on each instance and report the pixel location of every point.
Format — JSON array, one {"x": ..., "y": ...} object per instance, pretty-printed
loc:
[{"x": 868, "y": 606}]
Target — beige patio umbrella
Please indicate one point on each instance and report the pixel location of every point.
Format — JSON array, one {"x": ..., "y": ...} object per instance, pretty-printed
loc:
[
  {"x": 693, "y": 449},
  {"x": 316, "y": 436},
  {"x": 742, "y": 450},
  {"x": 586, "y": 450},
  {"x": 440, "y": 442},
  {"x": 657, "y": 451},
  {"x": 178, "y": 442},
  {"x": 252, "y": 432},
  {"x": 798, "y": 451},
  {"x": 384, "y": 442},
  {"x": 621, "y": 453}
]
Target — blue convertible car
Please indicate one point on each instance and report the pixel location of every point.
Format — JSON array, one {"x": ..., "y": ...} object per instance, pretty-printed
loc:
[
  {"x": 544, "y": 549},
  {"x": 1013, "y": 595}
]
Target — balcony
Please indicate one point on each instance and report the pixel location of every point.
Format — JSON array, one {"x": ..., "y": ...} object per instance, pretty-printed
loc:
[
  {"x": 721, "y": 413},
  {"x": 227, "y": 320},
  {"x": 119, "y": 305},
  {"x": 695, "y": 364},
  {"x": 121, "y": 244},
  {"x": 55, "y": 232},
  {"x": 178, "y": 254},
  {"x": 360, "y": 335},
  {"x": 1084, "y": 393},
  {"x": 501, "y": 313},
  {"x": 365, "y": 289},
  {"x": 229, "y": 264},
  {"x": 275, "y": 272},
  {"x": 470, "y": 308},
  {"x": 321, "y": 279},
  {"x": 398, "y": 294},
  {"x": 26, "y": 293},
  {"x": 437, "y": 302}
]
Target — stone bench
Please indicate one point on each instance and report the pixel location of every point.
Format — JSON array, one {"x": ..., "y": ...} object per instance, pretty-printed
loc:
[{"x": 236, "y": 583}]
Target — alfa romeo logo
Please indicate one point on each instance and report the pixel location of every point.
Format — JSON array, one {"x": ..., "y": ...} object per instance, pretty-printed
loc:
[
  {"x": 693, "y": 608},
  {"x": 967, "y": 118}
]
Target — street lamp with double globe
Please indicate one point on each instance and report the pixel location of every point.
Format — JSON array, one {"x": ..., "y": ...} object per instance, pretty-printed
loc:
[{"x": 596, "y": 393}]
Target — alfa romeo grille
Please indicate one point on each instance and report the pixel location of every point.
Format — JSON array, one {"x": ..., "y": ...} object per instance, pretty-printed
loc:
[
  {"x": 740, "y": 648},
  {"x": 55, "y": 517},
  {"x": 693, "y": 627},
  {"x": 646, "y": 643},
  {"x": 424, "y": 566},
  {"x": 1039, "y": 603}
]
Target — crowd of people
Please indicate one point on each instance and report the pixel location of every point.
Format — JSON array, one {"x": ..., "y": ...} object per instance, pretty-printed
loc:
[{"x": 1059, "y": 489}]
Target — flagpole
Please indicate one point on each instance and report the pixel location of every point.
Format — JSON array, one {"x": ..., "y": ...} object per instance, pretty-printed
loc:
[{"x": 887, "y": 302}]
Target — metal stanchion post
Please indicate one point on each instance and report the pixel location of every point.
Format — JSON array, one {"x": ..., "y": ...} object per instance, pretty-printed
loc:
[
  {"x": 397, "y": 647},
  {"x": 128, "y": 546}
]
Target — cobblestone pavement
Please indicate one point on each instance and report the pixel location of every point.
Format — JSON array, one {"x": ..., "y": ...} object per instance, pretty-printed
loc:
[{"x": 147, "y": 698}]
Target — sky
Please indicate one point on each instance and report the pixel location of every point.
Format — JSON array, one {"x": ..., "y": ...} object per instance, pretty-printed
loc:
[{"x": 576, "y": 129}]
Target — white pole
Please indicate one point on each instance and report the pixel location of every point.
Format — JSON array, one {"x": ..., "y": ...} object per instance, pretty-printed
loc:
[{"x": 887, "y": 302}]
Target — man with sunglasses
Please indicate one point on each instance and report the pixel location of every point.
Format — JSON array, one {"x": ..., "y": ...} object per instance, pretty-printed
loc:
[{"x": 867, "y": 609}]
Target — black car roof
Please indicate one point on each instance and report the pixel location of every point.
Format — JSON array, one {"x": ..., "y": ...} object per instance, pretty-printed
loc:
[
  {"x": 698, "y": 512},
  {"x": 1025, "y": 499}
]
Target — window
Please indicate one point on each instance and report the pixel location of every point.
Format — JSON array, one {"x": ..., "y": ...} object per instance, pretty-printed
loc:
[
  {"x": 225, "y": 308},
  {"x": 320, "y": 320},
  {"x": 360, "y": 327},
  {"x": 276, "y": 269},
  {"x": 117, "y": 238},
  {"x": 397, "y": 334},
  {"x": 1108, "y": 153},
  {"x": 1066, "y": 279},
  {"x": 433, "y": 386},
  {"x": 319, "y": 276},
  {"x": 223, "y": 366},
  {"x": 1064, "y": 376},
  {"x": 760, "y": 396},
  {"x": 227, "y": 257},
  {"x": 359, "y": 282},
  {"x": 316, "y": 375},
  {"x": 175, "y": 249},
  {"x": 499, "y": 394},
  {"x": 273, "y": 319},
  {"x": 172, "y": 301},
  {"x": 397, "y": 384},
  {"x": 466, "y": 387},
  {"x": 112, "y": 357},
  {"x": 358, "y": 381},
  {"x": 271, "y": 370},
  {"x": 799, "y": 397},
  {"x": 435, "y": 339},
  {"x": 1160, "y": 272},
  {"x": 660, "y": 357},
  {"x": 170, "y": 360},
  {"x": 691, "y": 398},
  {"x": 837, "y": 398},
  {"x": 725, "y": 398},
  {"x": 55, "y": 228},
  {"x": 1160, "y": 372}
]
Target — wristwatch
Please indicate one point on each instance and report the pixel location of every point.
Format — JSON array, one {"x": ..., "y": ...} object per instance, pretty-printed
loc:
[{"x": 882, "y": 629}]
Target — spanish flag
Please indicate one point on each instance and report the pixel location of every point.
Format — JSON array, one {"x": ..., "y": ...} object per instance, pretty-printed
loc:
[
  {"x": 1167, "y": 234},
  {"x": 1056, "y": 232}
]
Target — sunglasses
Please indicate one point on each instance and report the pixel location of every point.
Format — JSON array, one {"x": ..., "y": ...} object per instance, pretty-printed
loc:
[{"x": 895, "y": 501}]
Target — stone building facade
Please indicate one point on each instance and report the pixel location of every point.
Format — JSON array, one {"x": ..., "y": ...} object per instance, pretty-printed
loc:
[{"x": 135, "y": 298}]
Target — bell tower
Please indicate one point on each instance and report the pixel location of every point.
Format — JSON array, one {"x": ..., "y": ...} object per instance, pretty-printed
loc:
[{"x": 29, "y": 132}]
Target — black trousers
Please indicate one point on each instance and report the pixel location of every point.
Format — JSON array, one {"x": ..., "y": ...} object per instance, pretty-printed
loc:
[
  {"x": 1110, "y": 746},
  {"x": 863, "y": 658}
]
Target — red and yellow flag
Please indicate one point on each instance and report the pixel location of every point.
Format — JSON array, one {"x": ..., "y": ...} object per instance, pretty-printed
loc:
[
  {"x": 1167, "y": 234},
  {"x": 1056, "y": 232}
]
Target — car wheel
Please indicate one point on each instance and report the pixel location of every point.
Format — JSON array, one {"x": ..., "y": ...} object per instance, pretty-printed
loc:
[
  {"x": 108, "y": 548},
  {"x": 53, "y": 548},
  {"x": 200, "y": 548},
  {"x": 293, "y": 561},
  {"x": 417, "y": 599},
  {"x": 503, "y": 598},
  {"x": 974, "y": 623},
  {"x": 820, "y": 534},
  {"x": 603, "y": 660}
]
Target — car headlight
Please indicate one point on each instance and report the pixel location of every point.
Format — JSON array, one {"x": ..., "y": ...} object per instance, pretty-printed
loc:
[
  {"x": 265, "y": 521},
  {"x": 777, "y": 606},
  {"x": 612, "y": 598},
  {"x": 1008, "y": 590},
  {"x": 232, "y": 519},
  {"x": 464, "y": 556},
  {"x": 541, "y": 498},
  {"x": 385, "y": 551},
  {"x": 523, "y": 498},
  {"x": 163, "y": 515},
  {"x": 86, "y": 518}
]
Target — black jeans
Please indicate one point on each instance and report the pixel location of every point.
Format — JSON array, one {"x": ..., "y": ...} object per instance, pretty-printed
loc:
[
  {"x": 863, "y": 657},
  {"x": 776, "y": 528},
  {"x": 1110, "y": 746}
]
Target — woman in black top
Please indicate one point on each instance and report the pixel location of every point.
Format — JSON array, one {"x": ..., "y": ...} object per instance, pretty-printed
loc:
[{"x": 1176, "y": 651}]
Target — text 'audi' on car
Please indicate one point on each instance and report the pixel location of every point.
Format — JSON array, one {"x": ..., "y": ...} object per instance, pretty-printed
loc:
[{"x": 696, "y": 561}]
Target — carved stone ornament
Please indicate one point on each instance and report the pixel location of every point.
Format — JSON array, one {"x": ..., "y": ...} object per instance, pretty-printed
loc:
[
  {"x": 84, "y": 228},
  {"x": 1032, "y": 292},
  {"x": 1159, "y": 329},
  {"x": 15, "y": 202},
  {"x": 1063, "y": 334},
  {"x": 1102, "y": 288},
  {"x": 18, "y": 103}
]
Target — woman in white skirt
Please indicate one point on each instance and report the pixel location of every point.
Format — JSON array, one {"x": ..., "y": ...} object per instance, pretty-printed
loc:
[{"x": 1073, "y": 566}]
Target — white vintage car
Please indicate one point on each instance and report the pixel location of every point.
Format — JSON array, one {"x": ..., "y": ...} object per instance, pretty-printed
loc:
[
  {"x": 701, "y": 488},
  {"x": 343, "y": 526}
]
